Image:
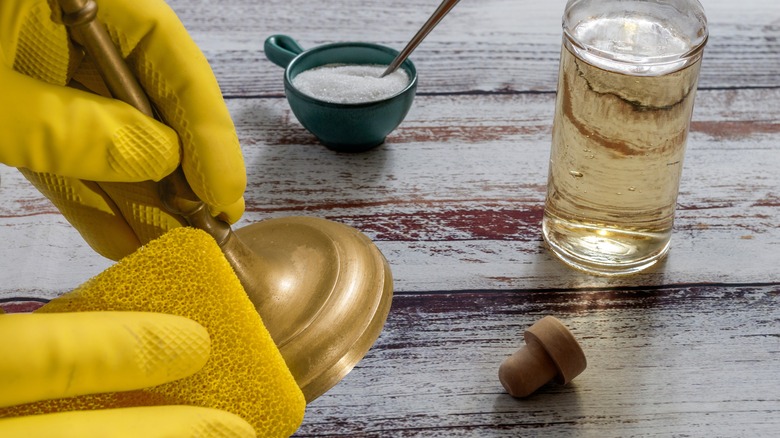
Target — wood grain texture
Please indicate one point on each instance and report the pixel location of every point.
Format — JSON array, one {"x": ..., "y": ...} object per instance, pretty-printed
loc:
[
  {"x": 454, "y": 200},
  {"x": 487, "y": 45},
  {"x": 680, "y": 361}
]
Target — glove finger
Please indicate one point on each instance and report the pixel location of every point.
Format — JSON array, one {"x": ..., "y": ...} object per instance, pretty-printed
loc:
[
  {"x": 147, "y": 422},
  {"x": 69, "y": 354},
  {"x": 158, "y": 48},
  {"x": 113, "y": 218},
  {"x": 231, "y": 213},
  {"x": 49, "y": 128},
  {"x": 32, "y": 44},
  {"x": 90, "y": 210},
  {"x": 142, "y": 208}
]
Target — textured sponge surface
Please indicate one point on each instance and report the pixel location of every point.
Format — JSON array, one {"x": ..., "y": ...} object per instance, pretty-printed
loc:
[{"x": 184, "y": 273}]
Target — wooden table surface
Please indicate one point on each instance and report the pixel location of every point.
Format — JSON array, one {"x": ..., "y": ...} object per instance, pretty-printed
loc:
[{"x": 454, "y": 200}]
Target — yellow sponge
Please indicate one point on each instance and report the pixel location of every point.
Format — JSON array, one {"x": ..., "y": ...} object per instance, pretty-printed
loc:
[{"x": 184, "y": 273}]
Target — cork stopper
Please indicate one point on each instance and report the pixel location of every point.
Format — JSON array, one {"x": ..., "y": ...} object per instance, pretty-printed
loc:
[{"x": 550, "y": 353}]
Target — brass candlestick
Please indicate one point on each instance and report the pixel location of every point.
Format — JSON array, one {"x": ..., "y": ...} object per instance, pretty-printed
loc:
[{"x": 322, "y": 289}]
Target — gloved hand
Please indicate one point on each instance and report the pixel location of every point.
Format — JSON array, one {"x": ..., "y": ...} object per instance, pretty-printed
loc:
[
  {"x": 47, "y": 356},
  {"x": 81, "y": 150}
]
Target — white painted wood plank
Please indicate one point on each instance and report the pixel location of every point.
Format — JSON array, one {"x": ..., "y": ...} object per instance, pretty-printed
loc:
[
  {"x": 696, "y": 361},
  {"x": 490, "y": 45},
  {"x": 459, "y": 192},
  {"x": 454, "y": 201}
]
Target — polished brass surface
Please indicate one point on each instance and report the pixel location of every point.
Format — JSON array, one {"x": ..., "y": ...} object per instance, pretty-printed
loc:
[
  {"x": 327, "y": 293},
  {"x": 323, "y": 289}
]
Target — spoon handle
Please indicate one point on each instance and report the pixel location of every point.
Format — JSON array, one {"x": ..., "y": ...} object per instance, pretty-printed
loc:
[{"x": 434, "y": 19}]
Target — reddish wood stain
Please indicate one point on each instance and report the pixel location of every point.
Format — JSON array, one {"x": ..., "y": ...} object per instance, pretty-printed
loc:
[
  {"x": 499, "y": 224},
  {"x": 21, "y": 306},
  {"x": 734, "y": 130}
]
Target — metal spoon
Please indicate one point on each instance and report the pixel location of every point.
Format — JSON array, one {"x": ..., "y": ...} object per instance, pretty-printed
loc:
[{"x": 434, "y": 19}]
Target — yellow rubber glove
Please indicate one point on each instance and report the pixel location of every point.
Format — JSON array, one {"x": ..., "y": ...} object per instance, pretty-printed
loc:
[
  {"x": 48, "y": 356},
  {"x": 81, "y": 150}
]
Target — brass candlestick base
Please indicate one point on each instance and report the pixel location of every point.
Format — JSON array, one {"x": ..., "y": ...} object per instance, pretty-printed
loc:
[
  {"x": 329, "y": 293},
  {"x": 323, "y": 289}
]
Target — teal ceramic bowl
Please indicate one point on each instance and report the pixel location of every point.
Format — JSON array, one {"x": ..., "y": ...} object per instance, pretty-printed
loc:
[{"x": 343, "y": 127}]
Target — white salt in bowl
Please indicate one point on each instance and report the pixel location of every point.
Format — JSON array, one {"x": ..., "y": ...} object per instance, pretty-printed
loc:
[{"x": 357, "y": 122}]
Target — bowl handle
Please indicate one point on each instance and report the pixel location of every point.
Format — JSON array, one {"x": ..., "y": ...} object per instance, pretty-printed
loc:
[{"x": 281, "y": 49}]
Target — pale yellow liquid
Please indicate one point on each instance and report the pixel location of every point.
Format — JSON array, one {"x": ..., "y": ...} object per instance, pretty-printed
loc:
[{"x": 617, "y": 153}]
